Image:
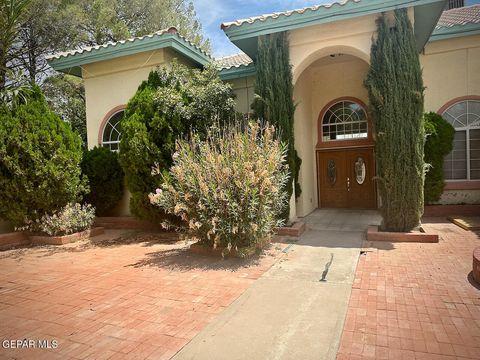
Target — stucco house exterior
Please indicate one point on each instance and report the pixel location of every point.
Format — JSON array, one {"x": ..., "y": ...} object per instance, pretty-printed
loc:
[{"x": 330, "y": 54}]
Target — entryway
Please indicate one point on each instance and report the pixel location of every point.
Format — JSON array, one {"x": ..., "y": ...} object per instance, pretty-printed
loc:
[
  {"x": 345, "y": 178},
  {"x": 297, "y": 309}
]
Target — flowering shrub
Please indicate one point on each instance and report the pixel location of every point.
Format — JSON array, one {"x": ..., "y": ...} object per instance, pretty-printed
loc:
[
  {"x": 227, "y": 189},
  {"x": 70, "y": 219}
]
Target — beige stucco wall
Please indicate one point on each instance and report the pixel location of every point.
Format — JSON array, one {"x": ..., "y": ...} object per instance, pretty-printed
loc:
[
  {"x": 319, "y": 79},
  {"x": 111, "y": 83},
  {"x": 323, "y": 81},
  {"x": 451, "y": 69}
]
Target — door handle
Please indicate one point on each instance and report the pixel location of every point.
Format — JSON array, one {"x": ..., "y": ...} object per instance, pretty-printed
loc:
[{"x": 348, "y": 184}]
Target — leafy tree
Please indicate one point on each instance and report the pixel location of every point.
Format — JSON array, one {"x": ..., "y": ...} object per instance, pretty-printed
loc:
[
  {"x": 105, "y": 177},
  {"x": 99, "y": 21},
  {"x": 66, "y": 96},
  {"x": 439, "y": 143},
  {"x": 167, "y": 106},
  {"x": 39, "y": 161},
  {"x": 33, "y": 28},
  {"x": 12, "y": 13},
  {"x": 274, "y": 102},
  {"x": 395, "y": 87}
]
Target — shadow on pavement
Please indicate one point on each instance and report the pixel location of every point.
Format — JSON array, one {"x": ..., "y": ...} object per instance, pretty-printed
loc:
[{"x": 183, "y": 260}]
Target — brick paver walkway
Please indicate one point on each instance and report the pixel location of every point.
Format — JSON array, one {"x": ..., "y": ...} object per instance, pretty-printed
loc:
[
  {"x": 122, "y": 299},
  {"x": 415, "y": 301}
]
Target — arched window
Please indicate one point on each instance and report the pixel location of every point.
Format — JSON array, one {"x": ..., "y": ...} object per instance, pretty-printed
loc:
[
  {"x": 463, "y": 163},
  {"x": 344, "y": 120},
  {"x": 113, "y": 131}
]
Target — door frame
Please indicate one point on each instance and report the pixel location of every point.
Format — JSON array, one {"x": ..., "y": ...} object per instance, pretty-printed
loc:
[
  {"x": 344, "y": 145},
  {"x": 318, "y": 153}
]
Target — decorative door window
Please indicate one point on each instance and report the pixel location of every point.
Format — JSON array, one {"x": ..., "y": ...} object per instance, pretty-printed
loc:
[
  {"x": 332, "y": 171},
  {"x": 344, "y": 120},
  {"x": 360, "y": 170}
]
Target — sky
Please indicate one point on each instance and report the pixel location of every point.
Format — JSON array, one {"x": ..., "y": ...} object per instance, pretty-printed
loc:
[{"x": 212, "y": 13}]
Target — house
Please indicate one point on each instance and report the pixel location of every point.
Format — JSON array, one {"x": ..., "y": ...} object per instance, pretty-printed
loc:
[{"x": 329, "y": 54}]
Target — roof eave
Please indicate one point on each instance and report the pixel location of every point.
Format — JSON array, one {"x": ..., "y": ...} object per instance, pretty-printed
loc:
[
  {"x": 236, "y": 72},
  {"x": 71, "y": 64},
  {"x": 454, "y": 31},
  {"x": 242, "y": 35}
]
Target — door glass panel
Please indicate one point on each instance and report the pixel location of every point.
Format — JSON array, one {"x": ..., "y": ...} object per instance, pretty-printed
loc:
[
  {"x": 360, "y": 170},
  {"x": 332, "y": 171}
]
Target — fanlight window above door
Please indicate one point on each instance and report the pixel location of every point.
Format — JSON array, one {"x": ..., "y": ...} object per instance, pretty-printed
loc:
[{"x": 344, "y": 120}]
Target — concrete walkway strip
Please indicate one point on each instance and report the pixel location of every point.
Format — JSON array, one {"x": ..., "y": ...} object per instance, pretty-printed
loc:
[{"x": 289, "y": 313}]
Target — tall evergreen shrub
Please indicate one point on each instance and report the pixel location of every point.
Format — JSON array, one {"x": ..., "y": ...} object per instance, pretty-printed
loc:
[
  {"x": 395, "y": 88},
  {"x": 274, "y": 99},
  {"x": 166, "y": 107},
  {"x": 105, "y": 177},
  {"x": 39, "y": 160},
  {"x": 439, "y": 143}
]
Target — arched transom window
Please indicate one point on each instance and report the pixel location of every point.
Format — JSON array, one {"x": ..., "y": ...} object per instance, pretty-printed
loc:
[
  {"x": 463, "y": 163},
  {"x": 113, "y": 131},
  {"x": 344, "y": 120}
]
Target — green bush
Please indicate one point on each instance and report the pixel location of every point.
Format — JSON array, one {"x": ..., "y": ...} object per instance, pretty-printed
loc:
[
  {"x": 39, "y": 161},
  {"x": 439, "y": 143},
  {"x": 170, "y": 104},
  {"x": 228, "y": 189},
  {"x": 105, "y": 177},
  {"x": 70, "y": 219},
  {"x": 395, "y": 90}
]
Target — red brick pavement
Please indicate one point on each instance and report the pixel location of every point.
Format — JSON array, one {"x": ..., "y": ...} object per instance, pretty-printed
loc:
[
  {"x": 121, "y": 299},
  {"x": 415, "y": 301}
]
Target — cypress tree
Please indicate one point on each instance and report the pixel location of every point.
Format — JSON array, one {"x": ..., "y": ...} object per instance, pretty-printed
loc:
[
  {"x": 395, "y": 88},
  {"x": 274, "y": 99}
]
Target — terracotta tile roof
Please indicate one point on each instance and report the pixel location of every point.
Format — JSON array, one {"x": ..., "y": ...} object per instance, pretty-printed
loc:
[
  {"x": 87, "y": 49},
  {"x": 459, "y": 16},
  {"x": 233, "y": 61},
  {"x": 275, "y": 15}
]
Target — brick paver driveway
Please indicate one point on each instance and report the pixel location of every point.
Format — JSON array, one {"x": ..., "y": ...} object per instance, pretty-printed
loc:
[
  {"x": 126, "y": 296},
  {"x": 415, "y": 301}
]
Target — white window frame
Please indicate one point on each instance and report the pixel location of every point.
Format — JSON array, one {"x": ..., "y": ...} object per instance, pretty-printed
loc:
[
  {"x": 109, "y": 143},
  {"x": 353, "y": 136},
  {"x": 467, "y": 129}
]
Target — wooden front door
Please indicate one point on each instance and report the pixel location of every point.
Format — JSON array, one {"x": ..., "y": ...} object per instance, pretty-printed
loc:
[{"x": 345, "y": 178}]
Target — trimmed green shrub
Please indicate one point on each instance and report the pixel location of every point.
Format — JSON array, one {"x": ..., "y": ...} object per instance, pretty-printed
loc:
[
  {"x": 39, "y": 161},
  {"x": 228, "y": 189},
  {"x": 439, "y": 143},
  {"x": 105, "y": 177},
  {"x": 170, "y": 104},
  {"x": 395, "y": 88},
  {"x": 70, "y": 219},
  {"x": 274, "y": 99}
]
